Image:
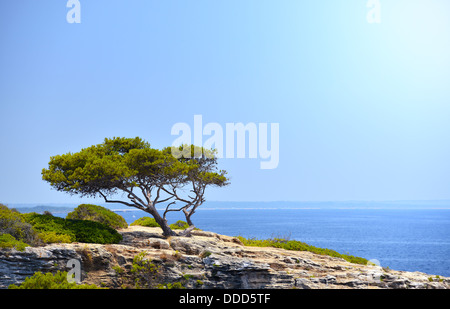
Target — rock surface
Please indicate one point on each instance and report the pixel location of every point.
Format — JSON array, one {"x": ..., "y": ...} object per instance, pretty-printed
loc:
[{"x": 208, "y": 260}]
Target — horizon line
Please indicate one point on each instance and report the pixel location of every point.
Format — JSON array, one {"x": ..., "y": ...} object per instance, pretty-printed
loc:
[{"x": 279, "y": 201}]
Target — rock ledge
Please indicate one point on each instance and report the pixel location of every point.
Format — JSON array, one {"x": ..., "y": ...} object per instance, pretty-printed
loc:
[{"x": 207, "y": 260}]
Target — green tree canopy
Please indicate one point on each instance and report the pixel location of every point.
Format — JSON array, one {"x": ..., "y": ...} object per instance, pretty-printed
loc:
[{"x": 146, "y": 175}]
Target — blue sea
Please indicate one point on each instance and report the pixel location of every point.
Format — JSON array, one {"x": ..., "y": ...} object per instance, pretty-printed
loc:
[{"x": 401, "y": 239}]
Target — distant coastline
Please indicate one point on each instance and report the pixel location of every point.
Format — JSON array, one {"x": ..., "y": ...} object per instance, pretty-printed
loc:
[{"x": 212, "y": 205}]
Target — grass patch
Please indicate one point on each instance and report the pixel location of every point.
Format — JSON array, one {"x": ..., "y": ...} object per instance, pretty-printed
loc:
[{"x": 299, "y": 246}]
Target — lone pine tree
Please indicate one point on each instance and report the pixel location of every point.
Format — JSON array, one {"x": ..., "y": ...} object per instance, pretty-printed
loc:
[{"x": 146, "y": 176}]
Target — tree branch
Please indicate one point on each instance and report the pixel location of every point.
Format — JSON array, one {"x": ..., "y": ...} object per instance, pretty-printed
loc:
[
  {"x": 121, "y": 202},
  {"x": 174, "y": 193},
  {"x": 187, "y": 231},
  {"x": 168, "y": 210},
  {"x": 135, "y": 197}
]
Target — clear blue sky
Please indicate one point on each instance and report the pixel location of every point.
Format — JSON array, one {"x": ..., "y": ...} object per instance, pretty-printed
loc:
[{"x": 364, "y": 109}]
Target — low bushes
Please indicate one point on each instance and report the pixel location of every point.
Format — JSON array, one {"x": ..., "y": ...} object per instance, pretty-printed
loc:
[
  {"x": 179, "y": 225},
  {"x": 98, "y": 214},
  {"x": 150, "y": 222},
  {"x": 12, "y": 223},
  {"x": 8, "y": 241},
  {"x": 73, "y": 230},
  {"x": 54, "y": 237},
  {"x": 50, "y": 281},
  {"x": 146, "y": 221},
  {"x": 31, "y": 229}
]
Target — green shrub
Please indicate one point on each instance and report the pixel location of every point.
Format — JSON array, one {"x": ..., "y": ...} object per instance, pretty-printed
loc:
[
  {"x": 150, "y": 222},
  {"x": 53, "y": 237},
  {"x": 179, "y": 225},
  {"x": 78, "y": 230},
  {"x": 98, "y": 214},
  {"x": 48, "y": 224},
  {"x": 8, "y": 241},
  {"x": 299, "y": 246},
  {"x": 50, "y": 281},
  {"x": 12, "y": 223},
  {"x": 205, "y": 254},
  {"x": 146, "y": 221},
  {"x": 171, "y": 286},
  {"x": 143, "y": 271}
]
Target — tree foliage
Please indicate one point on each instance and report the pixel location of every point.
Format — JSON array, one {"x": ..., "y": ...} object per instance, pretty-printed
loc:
[
  {"x": 147, "y": 176},
  {"x": 200, "y": 172}
]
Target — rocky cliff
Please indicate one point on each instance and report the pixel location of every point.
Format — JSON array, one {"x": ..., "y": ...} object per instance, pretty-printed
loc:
[{"x": 207, "y": 260}]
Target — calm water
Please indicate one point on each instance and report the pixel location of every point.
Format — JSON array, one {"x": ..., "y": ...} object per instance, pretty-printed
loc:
[{"x": 411, "y": 240}]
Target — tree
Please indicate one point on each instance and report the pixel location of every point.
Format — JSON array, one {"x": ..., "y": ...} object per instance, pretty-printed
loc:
[
  {"x": 201, "y": 172},
  {"x": 147, "y": 176}
]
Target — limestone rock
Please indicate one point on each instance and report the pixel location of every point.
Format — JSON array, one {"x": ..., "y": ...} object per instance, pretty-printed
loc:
[{"x": 207, "y": 260}]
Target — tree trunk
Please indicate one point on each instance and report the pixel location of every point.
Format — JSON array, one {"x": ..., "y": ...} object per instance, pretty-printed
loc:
[
  {"x": 167, "y": 231},
  {"x": 188, "y": 215},
  {"x": 187, "y": 232}
]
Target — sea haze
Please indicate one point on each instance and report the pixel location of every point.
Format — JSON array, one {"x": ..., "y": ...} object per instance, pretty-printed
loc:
[{"x": 401, "y": 237}]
